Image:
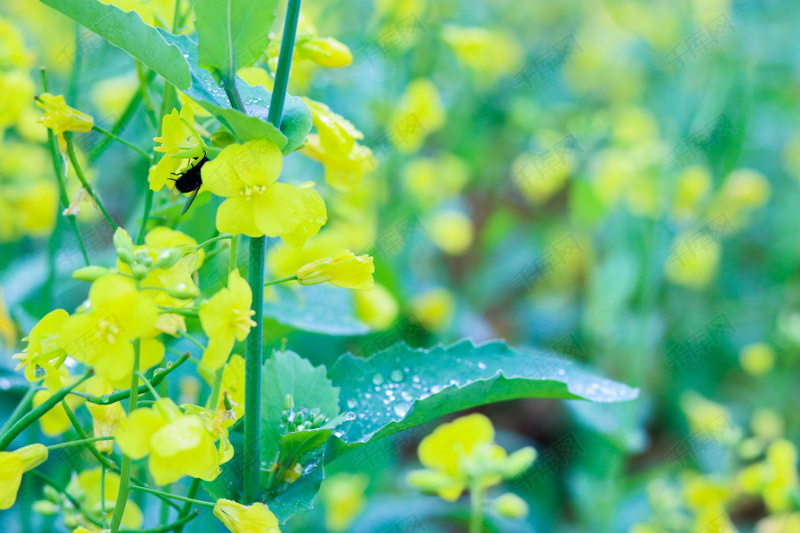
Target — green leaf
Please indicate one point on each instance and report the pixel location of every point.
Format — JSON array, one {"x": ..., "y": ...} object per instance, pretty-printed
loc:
[
  {"x": 232, "y": 34},
  {"x": 288, "y": 373},
  {"x": 299, "y": 496},
  {"x": 128, "y": 31},
  {"x": 317, "y": 309},
  {"x": 296, "y": 121},
  {"x": 402, "y": 387}
]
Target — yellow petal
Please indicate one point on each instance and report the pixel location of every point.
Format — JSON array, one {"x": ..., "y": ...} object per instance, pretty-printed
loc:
[
  {"x": 10, "y": 478},
  {"x": 236, "y": 215},
  {"x": 314, "y": 218},
  {"x": 279, "y": 209},
  {"x": 238, "y": 518},
  {"x": 134, "y": 434},
  {"x": 442, "y": 448}
]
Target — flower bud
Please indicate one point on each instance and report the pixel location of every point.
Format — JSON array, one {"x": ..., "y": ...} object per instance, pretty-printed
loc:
[
  {"x": 345, "y": 270},
  {"x": 429, "y": 480},
  {"x": 139, "y": 271},
  {"x": 51, "y": 494},
  {"x": 510, "y": 506},
  {"x": 182, "y": 291},
  {"x": 142, "y": 257},
  {"x": 45, "y": 508},
  {"x": 89, "y": 273},
  {"x": 168, "y": 257},
  {"x": 518, "y": 462},
  {"x": 319, "y": 420},
  {"x": 326, "y": 51},
  {"x": 123, "y": 245},
  {"x": 288, "y": 402}
]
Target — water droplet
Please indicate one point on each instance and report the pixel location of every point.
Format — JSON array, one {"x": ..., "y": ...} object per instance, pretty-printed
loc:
[
  {"x": 482, "y": 366},
  {"x": 352, "y": 403},
  {"x": 105, "y": 398},
  {"x": 415, "y": 379},
  {"x": 407, "y": 396},
  {"x": 349, "y": 415},
  {"x": 397, "y": 375},
  {"x": 401, "y": 408},
  {"x": 377, "y": 379}
]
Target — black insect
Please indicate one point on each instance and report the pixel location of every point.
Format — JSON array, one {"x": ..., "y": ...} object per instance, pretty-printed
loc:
[{"x": 190, "y": 181}]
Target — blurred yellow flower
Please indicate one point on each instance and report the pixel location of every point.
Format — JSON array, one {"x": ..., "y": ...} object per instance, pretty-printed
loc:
[
  {"x": 742, "y": 191},
  {"x": 16, "y": 92},
  {"x": 112, "y": 95},
  {"x": 55, "y": 421},
  {"x": 489, "y": 53},
  {"x": 451, "y": 230},
  {"x": 225, "y": 318},
  {"x": 8, "y": 331},
  {"x": 343, "y": 499},
  {"x": 13, "y": 53},
  {"x": 434, "y": 308},
  {"x": 462, "y": 454},
  {"x": 420, "y": 112},
  {"x": 757, "y": 359},
  {"x": 43, "y": 348},
  {"x": 256, "y": 204},
  {"x": 60, "y": 117},
  {"x": 105, "y": 418},
  {"x": 510, "y": 506},
  {"x": 178, "y": 444},
  {"x": 692, "y": 187},
  {"x": 693, "y": 259},
  {"x": 432, "y": 180},
  {"x": 13, "y": 465},
  {"x": 767, "y": 424},
  {"x": 709, "y": 419},
  {"x": 376, "y": 308},
  {"x": 88, "y": 489},
  {"x": 101, "y": 337},
  {"x": 324, "y": 51},
  {"x": 541, "y": 176},
  {"x": 238, "y": 518},
  {"x": 345, "y": 270}
]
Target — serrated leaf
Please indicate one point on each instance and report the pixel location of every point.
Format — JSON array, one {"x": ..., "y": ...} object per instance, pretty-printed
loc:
[
  {"x": 288, "y": 373},
  {"x": 232, "y": 33},
  {"x": 402, "y": 387},
  {"x": 317, "y": 309},
  {"x": 296, "y": 121},
  {"x": 128, "y": 31}
]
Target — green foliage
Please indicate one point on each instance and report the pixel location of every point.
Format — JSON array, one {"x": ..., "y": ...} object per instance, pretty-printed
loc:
[
  {"x": 232, "y": 33},
  {"x": 316, "y": 309}
]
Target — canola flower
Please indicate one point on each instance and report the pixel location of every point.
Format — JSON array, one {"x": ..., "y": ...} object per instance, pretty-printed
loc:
[
  {"x": 225, "y": 318},
  {"x": 238, "y": 518},
  {"x": 62, "y": 118},
  {"x": 13, "y": 465},
  {"x": 345, "y": 270}
]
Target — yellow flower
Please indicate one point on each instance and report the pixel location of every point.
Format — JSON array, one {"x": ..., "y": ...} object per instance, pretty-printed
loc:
[
  {"x": 13, "y": 53},
  {"x": 419, "y": 114},
  {"x": 376, "y": 308},
  {"x": 225, "y": 318},
  {"x": 179, "y": 138},
  {"x": 315, "y": 217},
  {"x": 742, "y": 191},
  {"x": 256, "y": 204},
  {"x": 451, "y": 231},
  {"x": 692, "y": 187},
  {"x": 105, "y": 418},
  {"x": 709, "y": 419},
  {"x": 55, "y": 421},
  {"x": 434, "y": 308},
  {"x": 238, "y": 518},
  {"x": 693, "y": 259},
  {"x": 13, "y": 465},
  {"x": 757, "y": 359},
  {"x": 461, "y": 454},
  {"x": 87, "y": 488},
  {"x": 783, "y": 479},
  {"x": 43, "y": 349},
  {"x": 342, "y": 496},
  {"x": 232, "y": 384},
  {"x": 324, "y": 51},
  {"x": 60, "y": 117},
  {"x": 101, "y": 337},
  {"x": 335, "y": 146},
  {"x": 344, "y": 270},
  {"x": 178, "y": 444}
]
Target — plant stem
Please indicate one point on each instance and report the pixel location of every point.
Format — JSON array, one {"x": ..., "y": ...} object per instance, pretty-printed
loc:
[
  {"x": 125, "y": 474},
  {"x": 158, "y": 377},
  {"x": 191, "y": 339},
  {"x": 213, "y": 240},
  {"x": 280, "y": 280},
  {"x": 86, "y": 185},
  {"x": 103, "y": 496},
  {"x": 187, "y": 507},
  {"x": 34, "y": 415},
  {"x": 85, "y": 436},
  {"x": 476, "y": 509},
  {"x": 58, "y": 167},
  {"x": 119, "y": 139},
  {"x": 78, "y": 442},
  {"x": 174, "y": 496},
  {"x": 21, "y": 407},
  {"x": 121, "y": 122},
  {"x": 149, "y": 386},
  {"x": 162, "y": 529},
  {"x": 255, "y": 277}
]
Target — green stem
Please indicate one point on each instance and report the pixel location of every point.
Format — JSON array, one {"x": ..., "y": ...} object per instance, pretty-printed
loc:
[
  {"x": 476, "y": 508},
  {"x": 34, "y": 415},
  {"x": 103, "y": 496},
  {"x": 213, "y": 240},
  {"x": 162, "y": 529},
  {"x": 58, "y": 167},
  {"x": 125, "y": 475},
  {"x": 234, "y": 253},
  {"x": 119, "y": 139},
  {"x": 85, "y": 436},
  {"x": 187, "y": 507},
  {"x": 280, "y": 280},
  {"x": 158, "y": 377},
  {"x": 78, "y": 442},
  {"x": 82, "y": 178},
  {"x": 119, "y": 125},
  {"x": 191, "y": 339},
  {"x": 174, "y": 496},
  {"x": 21, "y": 407},
  {"x": 255, "y": 277},
  {"x": 144, "y": 90},
  {"x": 149, "y": 386}
]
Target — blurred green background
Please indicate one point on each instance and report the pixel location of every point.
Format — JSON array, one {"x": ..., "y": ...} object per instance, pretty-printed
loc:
[{"x": 614, "y": 181}]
